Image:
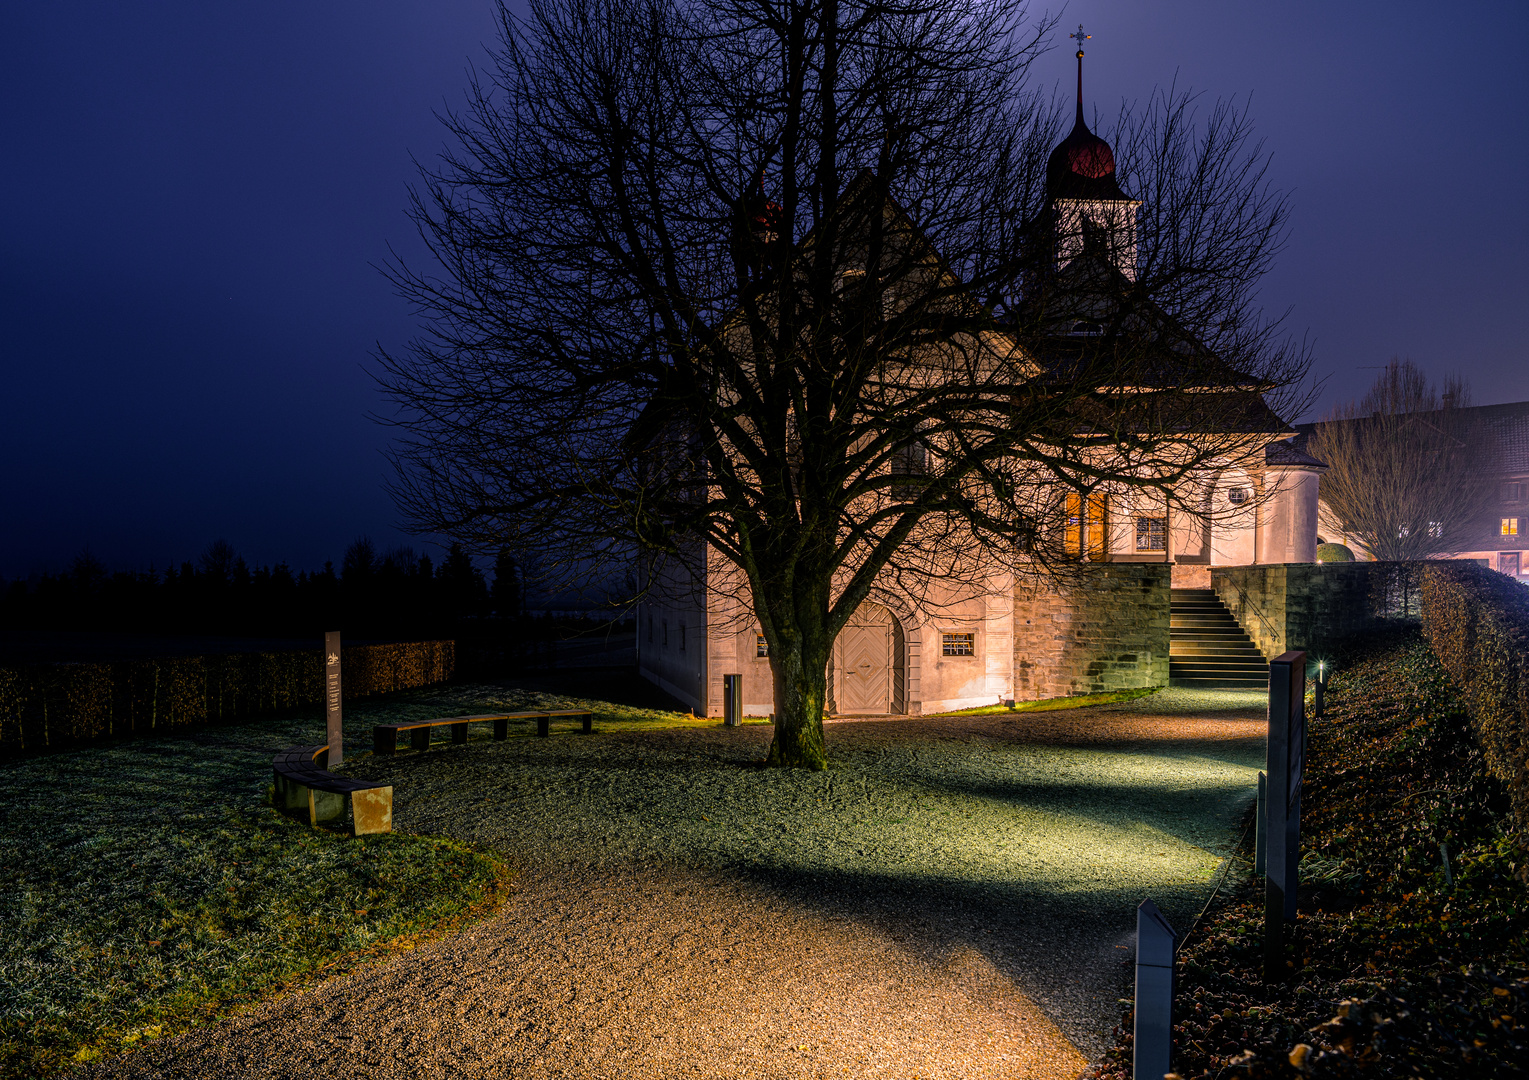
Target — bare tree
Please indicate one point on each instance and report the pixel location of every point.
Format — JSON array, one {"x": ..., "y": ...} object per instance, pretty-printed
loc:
[
  {"x": 1411, "y": 472},
  {"x": 774, "y": 287}
]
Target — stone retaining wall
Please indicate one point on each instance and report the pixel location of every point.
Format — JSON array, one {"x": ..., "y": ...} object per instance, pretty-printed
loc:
[
  {"x": 1106, "y": 631},
  {"x": 1307, "y": 606}
]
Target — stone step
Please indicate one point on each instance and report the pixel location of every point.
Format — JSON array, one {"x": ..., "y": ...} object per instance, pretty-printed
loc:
[
  {"x": 1213, "y": 649},
  {"x": 1220, "y": 684},
  {"x": 1208, "y": 648},
  {"x": 1215, "y": 667}
]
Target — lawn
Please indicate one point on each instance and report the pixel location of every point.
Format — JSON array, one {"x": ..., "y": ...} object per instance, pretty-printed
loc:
[{"x": 147, "y": 887}]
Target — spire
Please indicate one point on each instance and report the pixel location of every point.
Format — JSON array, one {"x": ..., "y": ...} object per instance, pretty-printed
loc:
[
  {"x": 1080, "y": 37},
  {"x": 1082, "y": 166}
]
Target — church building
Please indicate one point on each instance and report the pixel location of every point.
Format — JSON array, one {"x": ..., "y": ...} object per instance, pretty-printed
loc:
[{"x": 934, "y": 648}]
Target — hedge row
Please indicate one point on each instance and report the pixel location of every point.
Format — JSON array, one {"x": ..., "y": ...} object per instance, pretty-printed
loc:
[
  {"x": 54, "y": 706},
  {"x": 1477, "y": 622}
]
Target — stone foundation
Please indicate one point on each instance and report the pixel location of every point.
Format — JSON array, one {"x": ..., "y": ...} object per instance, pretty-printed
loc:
[{"x": 1106, "y": 631}]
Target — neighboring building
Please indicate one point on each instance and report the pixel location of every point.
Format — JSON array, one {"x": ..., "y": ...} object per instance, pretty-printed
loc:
[
  {"x": 1502, "y": 539},
  {"x": 929, "y": 646}
]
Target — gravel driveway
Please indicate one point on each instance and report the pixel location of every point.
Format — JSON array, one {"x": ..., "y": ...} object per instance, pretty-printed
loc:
[{"x": 954, "y": 898}]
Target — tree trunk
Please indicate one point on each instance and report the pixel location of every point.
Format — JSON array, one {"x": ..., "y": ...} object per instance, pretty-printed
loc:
[{"x": 801, "y": 685}]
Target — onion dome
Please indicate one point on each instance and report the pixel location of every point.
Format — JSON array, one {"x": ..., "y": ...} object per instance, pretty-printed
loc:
[{"x": 1083, "y": 165}]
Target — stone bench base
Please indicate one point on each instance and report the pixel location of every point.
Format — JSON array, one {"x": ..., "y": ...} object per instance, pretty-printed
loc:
[{"x": 304, "y": 789}]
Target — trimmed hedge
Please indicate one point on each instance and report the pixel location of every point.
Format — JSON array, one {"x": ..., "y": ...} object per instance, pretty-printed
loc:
[
  {"x": 55, "y": 706},
  {"x": 1477, "y": 622}
]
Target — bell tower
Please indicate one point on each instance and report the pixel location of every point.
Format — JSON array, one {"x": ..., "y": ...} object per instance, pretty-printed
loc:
[{"x": 1087, "y": 205}]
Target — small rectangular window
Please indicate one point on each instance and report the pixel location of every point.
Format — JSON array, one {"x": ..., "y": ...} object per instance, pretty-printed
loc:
[
  {"x": 682, "y": 637},
  {"x": 1513, "y": 492},
  {"x": 761, "y": 646},
  {"x": 958, "y": 644},
  {"x": 1151, "y": 534},
  {"x": 666, "y": 633},
  {"x": 650, "y": 628},
  {"x": 1510, "y": 526}
]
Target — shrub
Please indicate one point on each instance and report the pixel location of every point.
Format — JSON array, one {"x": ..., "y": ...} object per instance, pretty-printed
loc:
[
  {"x": 1477, "y": 622},
  {"x": 55, "y": 706},
  {"x": 1334, "y": 553}
]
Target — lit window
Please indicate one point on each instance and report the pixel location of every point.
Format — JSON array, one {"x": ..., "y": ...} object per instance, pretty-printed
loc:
[
  {"x": 1436, "y": 530},
  {"x": 761, "y": 646},
  {"x": 1510, "y": 526},
  {"x": 958, "y": 644},
  {"x": 1151, "y": 534}
]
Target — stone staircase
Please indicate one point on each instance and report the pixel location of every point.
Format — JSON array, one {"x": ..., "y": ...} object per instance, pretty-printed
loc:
[{"x": 1207, "y": 649}]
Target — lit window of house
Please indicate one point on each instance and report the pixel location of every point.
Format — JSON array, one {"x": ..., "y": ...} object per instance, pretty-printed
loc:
[
  {"x": 1151, "y": 534},
  {"x": 958, "y": 644},
  {"x": 1510, "y": 526},
  {"x": 1436, "y": 530},
  {"x": 761, "y": 646}
]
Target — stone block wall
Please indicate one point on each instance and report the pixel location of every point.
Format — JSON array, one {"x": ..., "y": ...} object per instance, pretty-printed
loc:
[
  {"x": 1106, "y": 630},
  {"x": 1307, "y": 606}
]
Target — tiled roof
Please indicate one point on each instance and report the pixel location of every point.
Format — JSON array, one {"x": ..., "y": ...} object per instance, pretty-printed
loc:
[
  {"x": 1508, "y": 423},
  {"x": 1291, "y": 452}
]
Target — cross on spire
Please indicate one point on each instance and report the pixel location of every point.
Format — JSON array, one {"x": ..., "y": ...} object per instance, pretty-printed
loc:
[{"x": 1080, "y": 37}]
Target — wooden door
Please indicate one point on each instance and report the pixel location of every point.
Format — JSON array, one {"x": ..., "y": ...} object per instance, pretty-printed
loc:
[{"x": 865, "y": 662}]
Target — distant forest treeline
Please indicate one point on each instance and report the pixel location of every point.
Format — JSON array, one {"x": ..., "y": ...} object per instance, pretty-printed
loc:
[{"x": 395, "y": 595}]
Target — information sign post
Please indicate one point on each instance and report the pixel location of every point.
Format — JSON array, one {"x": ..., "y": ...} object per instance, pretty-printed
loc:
[{"x": 332, "y": 698}]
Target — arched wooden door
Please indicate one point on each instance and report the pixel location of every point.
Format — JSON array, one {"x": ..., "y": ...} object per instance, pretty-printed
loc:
[{"x": 869, "y": 670}]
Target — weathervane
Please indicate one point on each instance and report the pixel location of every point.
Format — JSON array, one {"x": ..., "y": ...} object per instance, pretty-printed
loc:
[{"x": 1080, "y": 37}]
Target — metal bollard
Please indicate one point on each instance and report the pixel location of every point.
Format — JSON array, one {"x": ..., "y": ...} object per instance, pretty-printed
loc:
[
  {"x": 1152, "y": 1037},
  {"x": 732, "y": 700}
]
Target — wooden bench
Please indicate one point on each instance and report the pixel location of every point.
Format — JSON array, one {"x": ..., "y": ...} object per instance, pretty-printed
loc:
[
  {"x": 306, "y": 787},
  {"x": 385, "y": 736}
]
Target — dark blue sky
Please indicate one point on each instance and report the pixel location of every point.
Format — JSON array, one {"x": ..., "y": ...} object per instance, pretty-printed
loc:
[{"x": 195, "y": 195}]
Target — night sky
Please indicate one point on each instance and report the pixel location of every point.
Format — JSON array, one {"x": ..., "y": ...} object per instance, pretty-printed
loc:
[{"x": 196, "y": 195}]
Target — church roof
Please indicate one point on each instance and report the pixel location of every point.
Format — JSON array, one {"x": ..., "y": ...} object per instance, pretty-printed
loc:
[
  {"x": 1088, "y": 300},
  {"x": 1291, "y": 452}
]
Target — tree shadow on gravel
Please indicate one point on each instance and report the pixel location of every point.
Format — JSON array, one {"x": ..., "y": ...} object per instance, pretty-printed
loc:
[{"x": 1072, "y": 955}]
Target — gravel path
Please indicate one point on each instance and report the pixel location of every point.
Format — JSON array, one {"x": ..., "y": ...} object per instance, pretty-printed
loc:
[{"x": 954, "y": 898}]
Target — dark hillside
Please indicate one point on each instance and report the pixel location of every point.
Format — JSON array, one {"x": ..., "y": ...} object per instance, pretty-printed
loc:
[{"x": 1411, "y": 955}]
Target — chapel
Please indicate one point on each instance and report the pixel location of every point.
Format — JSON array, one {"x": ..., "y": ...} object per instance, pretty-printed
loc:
[{"x": 925, "y": 648}]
